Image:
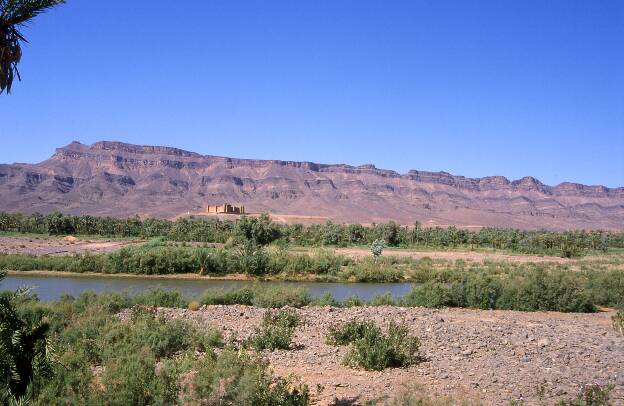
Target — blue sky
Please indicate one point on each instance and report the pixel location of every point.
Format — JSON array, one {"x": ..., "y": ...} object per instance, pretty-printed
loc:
[{"x": 474, "y": 88}]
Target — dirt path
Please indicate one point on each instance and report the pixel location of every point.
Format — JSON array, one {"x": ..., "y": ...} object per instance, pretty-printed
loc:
[
  {"x": 58, "y": 247},
  {"x": 475, "y": 256},
  {"x": 490, "y": 356}
]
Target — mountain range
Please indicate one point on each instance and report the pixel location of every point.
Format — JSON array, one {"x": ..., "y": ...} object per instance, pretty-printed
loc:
[{"x": 119, "y": 179}]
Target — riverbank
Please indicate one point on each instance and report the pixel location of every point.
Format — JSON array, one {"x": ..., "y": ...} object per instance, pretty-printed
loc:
[
  {"x": 98, "y": 275},
  {"x": 489, "y": 357}
]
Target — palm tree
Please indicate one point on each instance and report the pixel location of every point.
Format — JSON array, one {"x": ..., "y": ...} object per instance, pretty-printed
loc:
[
  {"x": 13, "y": 15},
  {"x": 25, "y": 352}
]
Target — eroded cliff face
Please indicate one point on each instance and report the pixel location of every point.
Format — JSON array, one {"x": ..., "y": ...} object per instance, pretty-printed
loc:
[{"x": 112, "y": 178}]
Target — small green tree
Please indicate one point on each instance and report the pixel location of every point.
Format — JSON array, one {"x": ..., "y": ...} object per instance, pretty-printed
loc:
[
  {"x": 377, "y": 248},
  {"x": 260, "y": 230},
  {"x": 24, "y": 352}
]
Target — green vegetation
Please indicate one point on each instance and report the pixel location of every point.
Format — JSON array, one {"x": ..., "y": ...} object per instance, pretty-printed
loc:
[
  {"x": 373, "y": 350},
  {"x": 590, "y": 395},
  {"x": 102, "y": 356},
  {"x": 348, "y": 332},
  {"x": 534, "y": 291},
  {"x": 25, "y": 361},
  {"x": 275, "y": 332},
  {"x": 377, "y": 248},
  {"x": 248, "y": 383},
  {"x": 257, "y": 295},
  {"x": 155, "y": 258},
  {"x": 488, "y": 285},
  {"x": 575, "y": 286},
  {"x": 261, "y": 231}
]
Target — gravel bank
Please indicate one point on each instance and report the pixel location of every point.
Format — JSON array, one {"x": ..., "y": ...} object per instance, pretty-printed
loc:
[{"x": 489, "y": 356}]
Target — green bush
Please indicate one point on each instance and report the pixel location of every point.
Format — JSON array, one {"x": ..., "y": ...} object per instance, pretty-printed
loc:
[
  {"x": 348, "y": 332},
  {"x": 132, "y": 379},
  {"x": 367, "y": 270},
  {"x": 383, "y": 300},
  {"x": 256, "y": 295},
  {"x": 435, "y": 295},
  {"x": 352, "y": 301},
  {"x": 535, "y": 290},
  {"x": 102, "y": 357},
  {"x": 160, "y": 297},
  {"x": 326, "y": 300},
  {"x": 591, "y": 395},
  {"x": 163, "y": 338},
  {"x": 545, "y": 291},
  {"x": 275, "y": 332},
  {"x": 371, "y": 349},
  {"x": 239, "y": 379},
  {"x": 605, "y": 287}
]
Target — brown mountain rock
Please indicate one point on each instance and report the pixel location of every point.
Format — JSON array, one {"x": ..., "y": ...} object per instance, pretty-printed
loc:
[{"x": 118, "y": 179}]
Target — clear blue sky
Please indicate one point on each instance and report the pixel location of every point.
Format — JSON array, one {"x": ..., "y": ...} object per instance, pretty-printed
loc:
[{"x": 474, "y": 88}]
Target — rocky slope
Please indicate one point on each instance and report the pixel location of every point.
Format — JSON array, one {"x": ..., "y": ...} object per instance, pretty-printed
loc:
[
  {"x": 112, "y": 178},
  {"x": 490, "y": 357}
]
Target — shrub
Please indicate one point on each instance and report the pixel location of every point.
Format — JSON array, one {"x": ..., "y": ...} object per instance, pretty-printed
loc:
[
  {"x": 194, "y": 305},
  {"x": 163, "y": 338},
  {"x": 542, "y": 291},
  {"x": 383, "y": 300},
  {"x": 242, "y": 296},
  {"x": 532, "y": 290},
  {"x": 371, "y": 349},
  {"x": 258, "y": 295},
  {"x": 606, "y": 287},
  {"x": 352, "y": 301},
  {"x": 131, "y": 379},
  {"x": 215, "y": 262},
  {"x": 252, "y": 258},
  {"x": 348, "y": 332},
  {"x": 145, "y": 359},
  {"x": 434, "y": 295},
  {"x": 280, "y": 296},
  {"x": 259, "y": 230},
  {"x": 366, "y": 270},
  {"x": 590, "y": 395},
  {"x": 326, "y": 300},
  {"x": 160, "y": 297},
  {"x": 275, "y": 332},
  {"x": 249, "y": 383},
  {"x": 377, "y": 248}
]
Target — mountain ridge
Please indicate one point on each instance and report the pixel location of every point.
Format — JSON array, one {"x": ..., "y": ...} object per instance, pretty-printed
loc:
[{"x": 116, "y": 178}]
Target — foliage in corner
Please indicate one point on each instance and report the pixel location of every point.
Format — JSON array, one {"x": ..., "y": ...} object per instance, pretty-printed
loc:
[{"x": 13, "y": 15}]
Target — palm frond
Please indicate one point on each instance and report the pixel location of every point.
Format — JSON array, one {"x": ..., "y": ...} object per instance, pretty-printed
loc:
[{"x": 14, "y": 13}]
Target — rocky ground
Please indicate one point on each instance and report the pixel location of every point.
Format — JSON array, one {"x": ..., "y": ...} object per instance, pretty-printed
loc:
[
  {"x": 58, "y": 246},
  {"x": 475, "y": 256},
  {"x": 491, "y": 357}
]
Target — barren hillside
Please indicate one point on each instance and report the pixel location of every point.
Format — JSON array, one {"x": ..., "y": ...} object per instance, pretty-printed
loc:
[{"x": 113, "y": 178}]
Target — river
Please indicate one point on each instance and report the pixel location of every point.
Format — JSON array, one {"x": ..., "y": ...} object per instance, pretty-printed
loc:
[{"x": 50, "y": 288}]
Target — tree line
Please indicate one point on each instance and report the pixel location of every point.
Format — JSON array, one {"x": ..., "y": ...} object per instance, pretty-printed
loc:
[{"x": 262, "y": 231}]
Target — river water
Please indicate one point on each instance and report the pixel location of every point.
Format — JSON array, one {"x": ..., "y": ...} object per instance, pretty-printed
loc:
[{"x": 50, "y": 288}]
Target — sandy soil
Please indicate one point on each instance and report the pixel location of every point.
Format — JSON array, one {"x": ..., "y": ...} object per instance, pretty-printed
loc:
[
  {"x": 489, "y": 356},
  {"x": 278, "y": 218},
  {"x": 474, "y": 256},
  {"x": 57, "y": 246}
]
